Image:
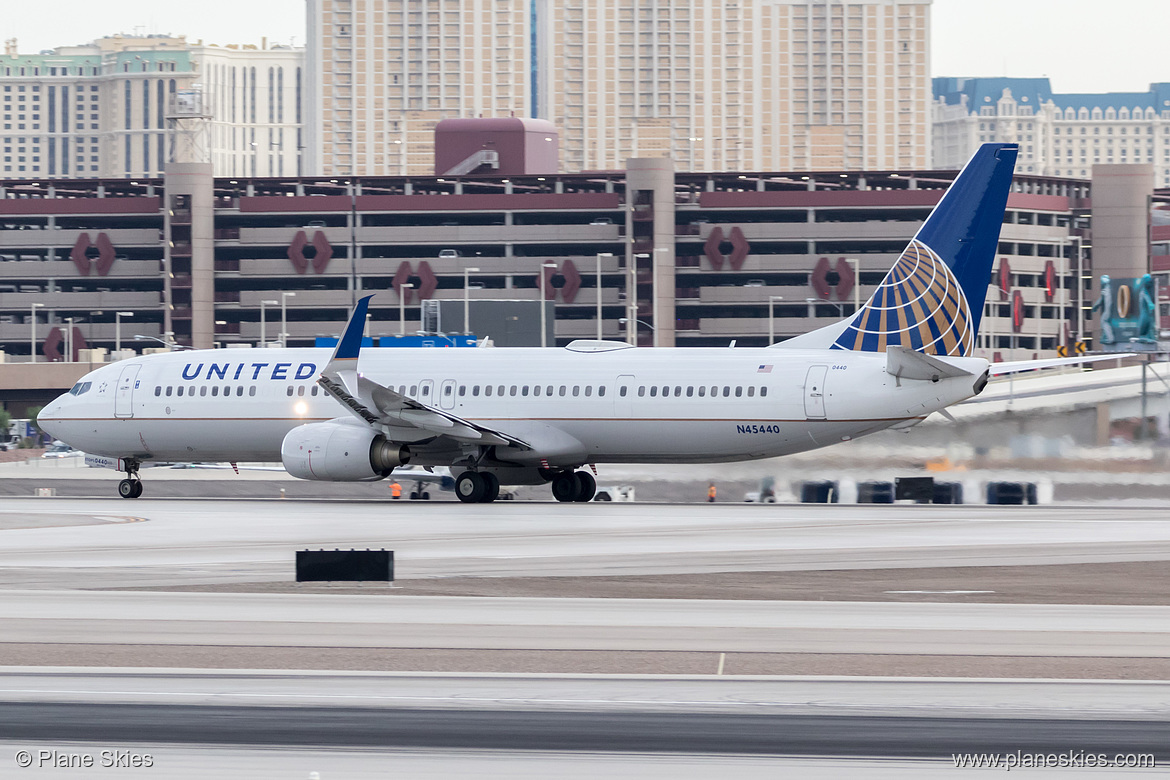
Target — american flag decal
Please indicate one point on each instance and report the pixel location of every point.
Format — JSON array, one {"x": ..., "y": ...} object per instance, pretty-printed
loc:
[{"x": 764, "y": 369}]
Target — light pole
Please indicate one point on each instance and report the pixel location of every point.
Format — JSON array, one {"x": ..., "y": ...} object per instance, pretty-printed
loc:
[
  {"x": 118, "y": 315},
  {"x": 599, "y": 256},
  {"x": 772, "y": 318},
  {"x": 264, "y": 323},
  {"x": 284, "y": 296},
  {"x": 69, "y": 340},
  {"x": 403, "y": 291},
  {"x": 32, "y": 336},
  {"x": 692, "y": 139},
  {"x": 467, "y": 298},
  {"x": 856, "y": 263},
  {"x": 543, "y": 304}
]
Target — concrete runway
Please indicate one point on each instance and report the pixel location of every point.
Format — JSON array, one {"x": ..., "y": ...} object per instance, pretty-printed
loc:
[
  {"x": 59, "y": 558},
  {"x": 863, "y": 718},
  {"x": 184, "y": 541},
  {"x": 643, "y": 625}
]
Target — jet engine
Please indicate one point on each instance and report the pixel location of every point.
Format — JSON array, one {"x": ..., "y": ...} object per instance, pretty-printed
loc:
[{"x": 336, "y": 452}]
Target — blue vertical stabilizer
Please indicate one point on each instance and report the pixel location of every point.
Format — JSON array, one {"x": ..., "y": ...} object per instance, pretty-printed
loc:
[{"x": 931, "y": 300}]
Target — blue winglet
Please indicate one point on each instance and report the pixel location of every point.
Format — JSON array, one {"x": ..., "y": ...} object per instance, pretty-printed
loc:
[{"x": 350, "y": 344}]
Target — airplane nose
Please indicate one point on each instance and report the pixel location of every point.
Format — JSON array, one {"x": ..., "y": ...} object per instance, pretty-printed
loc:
[{"x": 49, "y": 419}]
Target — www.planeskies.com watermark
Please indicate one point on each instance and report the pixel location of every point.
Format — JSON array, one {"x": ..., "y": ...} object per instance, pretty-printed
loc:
[{"x": 1069, "y": 759}]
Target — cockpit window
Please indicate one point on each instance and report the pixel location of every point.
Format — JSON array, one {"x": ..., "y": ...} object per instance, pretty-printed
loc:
[{"x": 80, "y": 388}]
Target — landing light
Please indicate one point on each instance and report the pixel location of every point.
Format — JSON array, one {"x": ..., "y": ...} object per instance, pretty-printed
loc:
[{"x": 301, "y": 407}]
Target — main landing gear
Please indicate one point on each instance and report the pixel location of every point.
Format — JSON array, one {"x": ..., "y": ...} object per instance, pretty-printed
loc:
[
  {"x": 131, "y": 487},
  {"x": 477, "y": 487},
  {"x": 574, "y": 486}
]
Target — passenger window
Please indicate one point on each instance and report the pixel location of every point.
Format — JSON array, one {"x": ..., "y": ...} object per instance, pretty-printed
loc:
[
  {"x": 536, "y": 390},
  {"x": 763, "y": 392},
  {"x": 500, "y": 390},
  {"x": 588, "y": 390},
  {"x": 252, "y": 390},
  {"x": 426, "y": 390},
  {"x": 203, "y": 391},
  {"x": 311, "y": 392},
  {"x": 300, "y": 391},
  {"x": 690, "y": 390},
  {"x": 653, "y": 391},
  {"x": 240, "y": 391},
  {"x": 513, "y": 390},
  {"x": 601, "y": 390},
  {"x": 227, "y": 391},
  {"x": 180, "y": 391},
  {"x": 738, "y": 392},
  {"x": 290, "y": 391},
  {"x": 413, "y": 390},
  {"x": 751, "y": 392},
  {"x": 475, "y": 390},
  {"x": 169, "y": 388},
  {"x": 524, "y": 391},
  {"x": 726, "y": 391},
  {"x": 714, "y": 390},
  {"x": 677, "y": 391},
  {"x": 462, "y": 390},
  {"x": 215, "y": 391},
  {"x": 641, "y": 391},
  {"x": 666, "y": 391},
  {"x": 447, "y": 390},
  {"x": 548, "y": 390},
  {"x": 158, "y": 390},
  {"x": 576, "y": 390},
  {"x": 487, "y": 390},
  {"x": 702, "y": 391},
  {"x": 562, "y": 390}
]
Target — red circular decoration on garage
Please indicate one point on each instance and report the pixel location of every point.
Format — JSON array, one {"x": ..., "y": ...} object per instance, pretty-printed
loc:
[{"x": 1017, "y": 311}]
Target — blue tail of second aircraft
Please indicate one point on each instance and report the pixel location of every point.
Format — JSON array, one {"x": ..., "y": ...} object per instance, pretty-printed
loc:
[{"x": 932, "y": 298}]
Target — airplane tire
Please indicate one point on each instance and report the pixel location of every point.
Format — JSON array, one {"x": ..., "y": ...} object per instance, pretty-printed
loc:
[
  {"x": 491, "y": 487},
  {"x": 469, "y": 487},
  {"x": 414, "y": 495},
  {"x": 565, "y": 486},
  {"x": 425, "y": 496},
  {"x": 137, "y": 488},
  {"x": 126, "y": 488},
  {"x": 587, "y": 485}
]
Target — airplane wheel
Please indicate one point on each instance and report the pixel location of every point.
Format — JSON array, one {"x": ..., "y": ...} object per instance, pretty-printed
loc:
[
  {"x": 126, "y": 489},
  {"x": 470, "y": 487},
  {"x": 587, "y": 486},
  {"x": 414, "y": 495},
  {"x": 491, "y": 486},
  {"x": 565, "y": 486},
  {"x": 137, "y": 488},
  {"x": 425, "y": 496}
]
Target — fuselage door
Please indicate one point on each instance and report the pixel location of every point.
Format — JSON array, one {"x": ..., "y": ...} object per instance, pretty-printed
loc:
[
  {"x": 447, "y": 394},
  {"x": 124, "y": 393},
  {"x": 623, "y": 395},
  {"x": 814, "y": 393}
]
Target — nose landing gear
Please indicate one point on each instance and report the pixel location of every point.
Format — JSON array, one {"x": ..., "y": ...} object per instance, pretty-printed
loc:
[{"x": 131, "y": 487}]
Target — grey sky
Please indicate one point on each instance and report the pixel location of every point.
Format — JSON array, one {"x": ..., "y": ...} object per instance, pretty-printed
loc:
[{"x": 1082, "y": 45}]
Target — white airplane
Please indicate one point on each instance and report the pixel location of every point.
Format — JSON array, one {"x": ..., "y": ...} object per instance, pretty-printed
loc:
[{"x": 534, "y": 416}]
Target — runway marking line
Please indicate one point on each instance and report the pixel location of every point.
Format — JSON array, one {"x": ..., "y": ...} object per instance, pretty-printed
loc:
[
  {"x": 940, "y": 592},
  {"x": 120, "y": 519}
]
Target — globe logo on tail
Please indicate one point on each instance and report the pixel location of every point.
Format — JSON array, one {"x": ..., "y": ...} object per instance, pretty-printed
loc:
[{"x": 919, "y": 305}]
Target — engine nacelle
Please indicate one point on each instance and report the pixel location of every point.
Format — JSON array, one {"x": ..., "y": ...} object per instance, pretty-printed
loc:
[{"x": 336, "y": 452}]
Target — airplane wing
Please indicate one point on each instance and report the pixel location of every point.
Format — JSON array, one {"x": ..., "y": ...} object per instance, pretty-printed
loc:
[
  {"x": 1016, "y": 366},
  {"x": 403, "y": 419}
]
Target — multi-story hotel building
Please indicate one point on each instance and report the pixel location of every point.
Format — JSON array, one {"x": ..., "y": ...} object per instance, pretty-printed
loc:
[
  {"x": 751, "y": 85},
  {"x": 1059, "y": 134},
  {"x": 715, "y": 85},
  {"x": 102, "y": 110},
  {"x": 382, "y": 73}
]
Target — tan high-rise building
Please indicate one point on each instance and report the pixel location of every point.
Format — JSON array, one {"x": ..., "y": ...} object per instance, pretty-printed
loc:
[
  {"x": 382, "y": 73},
  {"x": 738, "y": 84}
]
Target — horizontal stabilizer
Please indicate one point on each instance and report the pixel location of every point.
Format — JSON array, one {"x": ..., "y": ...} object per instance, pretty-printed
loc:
[
  {"x": 905, "y": 363},
  {"x": 1016, "y": 366}
]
